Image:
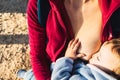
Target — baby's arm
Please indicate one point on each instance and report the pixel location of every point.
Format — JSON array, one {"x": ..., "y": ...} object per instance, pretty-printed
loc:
[
  {"x": 62, "y": 69},
  {"x": 63, "y": 66}
]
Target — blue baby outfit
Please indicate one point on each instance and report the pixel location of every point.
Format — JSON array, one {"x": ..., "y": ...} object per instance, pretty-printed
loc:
[{"x": 67, "y": 69}]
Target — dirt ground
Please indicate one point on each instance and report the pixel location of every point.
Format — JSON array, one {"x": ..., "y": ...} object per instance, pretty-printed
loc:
[{"x": 14, "y": 46}]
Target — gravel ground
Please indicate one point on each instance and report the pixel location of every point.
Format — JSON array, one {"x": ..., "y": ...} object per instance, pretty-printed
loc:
[{"x": 14, "y": 47}]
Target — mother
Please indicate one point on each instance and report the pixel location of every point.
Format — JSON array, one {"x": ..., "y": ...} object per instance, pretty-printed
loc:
[{"x": 93, "y": 21}]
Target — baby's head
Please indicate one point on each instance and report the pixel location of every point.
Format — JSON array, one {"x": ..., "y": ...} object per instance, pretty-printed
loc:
[{"x": 108, "y": 56}]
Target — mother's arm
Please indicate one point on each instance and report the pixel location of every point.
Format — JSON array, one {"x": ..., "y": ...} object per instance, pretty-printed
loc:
[{"x": 37, "y": 38}]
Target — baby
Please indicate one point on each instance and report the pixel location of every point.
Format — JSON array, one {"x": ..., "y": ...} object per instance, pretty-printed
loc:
[{"x": 104, "y": 65}]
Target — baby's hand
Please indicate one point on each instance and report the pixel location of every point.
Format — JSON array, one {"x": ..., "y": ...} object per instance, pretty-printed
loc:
[{"x": 72, "y": 48}]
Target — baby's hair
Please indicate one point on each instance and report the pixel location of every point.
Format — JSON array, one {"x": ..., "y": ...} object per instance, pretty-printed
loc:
[
  {"x": 115, "y": 49},
  {"x": 116, "y": 45}
]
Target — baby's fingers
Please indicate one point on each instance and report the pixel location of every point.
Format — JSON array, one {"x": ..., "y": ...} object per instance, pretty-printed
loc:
[
  {"x": 70, "y": 43},
  {"x": 80, "y": 55},
  {"x": 76, "y": 46},
  {"x": 74, "y": 43}
]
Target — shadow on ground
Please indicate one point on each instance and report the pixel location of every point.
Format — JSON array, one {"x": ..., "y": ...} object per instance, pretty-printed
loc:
[
  {"x": 14, "y": 39},
  {"x": 11, "y": 6}
]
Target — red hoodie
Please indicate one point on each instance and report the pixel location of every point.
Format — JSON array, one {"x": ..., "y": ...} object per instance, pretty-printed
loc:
[{"x": 48, "y": 43}]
